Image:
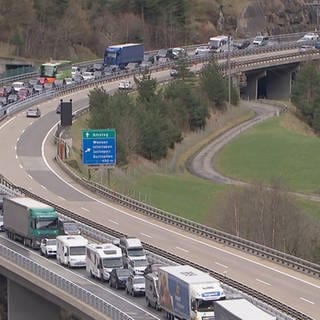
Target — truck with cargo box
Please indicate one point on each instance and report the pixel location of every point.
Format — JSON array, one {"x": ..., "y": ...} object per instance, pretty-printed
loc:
[
  {"x": 29, "y": 221},
  {"x": 122, "y": 54},
  {"x": 239, "y": 309},
  {"x": 188, "y": 293}
]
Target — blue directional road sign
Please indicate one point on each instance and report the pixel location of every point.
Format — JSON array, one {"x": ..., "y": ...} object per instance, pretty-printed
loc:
[{"x": 99, "y": 147}]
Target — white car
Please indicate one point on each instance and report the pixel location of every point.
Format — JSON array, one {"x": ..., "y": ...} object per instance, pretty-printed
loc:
[
  {"x": 202, "y": 51},
  {"x": 18, "y": 85},
  {"x": 125, "y": 85},
  {"x": 178, "y": 53},
  {"x": 137, "y": 266},
  {"x": 33, "y": 113},
  {"x": 311, "y": 36},
  {"x": 87, "y": 76},
  {"x": 136, "y": 285},
  {"x": 48, "y": 247}
]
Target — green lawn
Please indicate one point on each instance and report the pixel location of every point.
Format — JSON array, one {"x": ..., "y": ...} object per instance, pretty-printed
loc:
[
  {"x": 183, "y": 195},
  {"x": 271, "y": 151}
]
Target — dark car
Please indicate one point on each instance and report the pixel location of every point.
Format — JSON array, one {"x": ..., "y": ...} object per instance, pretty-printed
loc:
[
  {"x": 68, "y": 227},
  {"x": 317, "y": 44},
  {"x": 118, "y": 278},
  {"x": 165, "y": 54},
  {"x": 242, "y": 44}
]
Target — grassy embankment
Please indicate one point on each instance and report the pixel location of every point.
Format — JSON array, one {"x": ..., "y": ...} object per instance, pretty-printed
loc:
[
  {"x": 168, "y": 185},
  {"x": 282, "y": 148}
]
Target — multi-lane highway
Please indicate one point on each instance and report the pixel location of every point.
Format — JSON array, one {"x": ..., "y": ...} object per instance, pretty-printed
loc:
[{"x": 26, "y": 159}]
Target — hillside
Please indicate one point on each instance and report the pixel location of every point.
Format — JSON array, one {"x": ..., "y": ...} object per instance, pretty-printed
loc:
[{"x": 79, "y": 30}]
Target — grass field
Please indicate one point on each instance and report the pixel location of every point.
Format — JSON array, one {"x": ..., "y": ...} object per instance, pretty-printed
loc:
[{"x": 271, "y": 150}]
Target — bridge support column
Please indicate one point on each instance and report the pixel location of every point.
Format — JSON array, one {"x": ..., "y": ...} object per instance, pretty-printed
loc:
[
  {"x": 25, "y": 304},
  {"x": 252, "y": 84},
  {"x": 279, "y": 84}
]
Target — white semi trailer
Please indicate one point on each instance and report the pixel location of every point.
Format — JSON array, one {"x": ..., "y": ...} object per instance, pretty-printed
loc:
[{"x": 187, "y": 293}]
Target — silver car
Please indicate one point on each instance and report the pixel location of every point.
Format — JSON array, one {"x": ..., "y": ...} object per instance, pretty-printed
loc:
[{"x": 136, "y": 285}]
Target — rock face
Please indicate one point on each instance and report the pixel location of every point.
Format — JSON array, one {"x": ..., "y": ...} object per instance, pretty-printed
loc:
[{"x": 275, "y": 16}]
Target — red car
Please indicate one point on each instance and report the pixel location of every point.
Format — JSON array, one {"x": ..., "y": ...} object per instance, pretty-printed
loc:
[{"x": 23, "y": 94}]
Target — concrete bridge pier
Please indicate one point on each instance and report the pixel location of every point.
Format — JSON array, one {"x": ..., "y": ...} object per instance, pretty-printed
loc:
[
  {"x": 25, "y": 304},
  {"x": 279, "y": 83},
  {"x": 252, "y": 83}
]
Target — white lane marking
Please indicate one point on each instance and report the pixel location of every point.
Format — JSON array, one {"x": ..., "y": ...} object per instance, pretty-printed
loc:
[
  {"x": 23, "y": 130},
  {"x": 266, "y": 283},
  {"x": 61, "y": 198},
  {"x": 164, "y": 228},
  {"x": 6, "y": 123},
  {"x": 20, "y": 165},
  {"x": 30, "y": 176},
  {"x": 85, "y": 209},
  {"x": 114, "y": 222},
  {"x": 221, "y": 265},
  {"x": 18, "y": 139},
  {"x": 16, "y": 156},
  {"x": 104, "y": 288},
  {"x": 43, "y": 187},
  {"x": 15, "y": 149},
  {"x": 184, "y": 250},
  {"x": 306, "y": 300},
  {"x": 146, "y": 235}
]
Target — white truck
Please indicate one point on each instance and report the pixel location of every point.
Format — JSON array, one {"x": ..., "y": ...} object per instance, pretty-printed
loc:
[
  {"x": 240, "y": 309},
  {"x": 152, "y": 290},
  {"x": 125, "y": 85},
  {"x": 132, "y": 249},
  {"x": 101, "y": 259},
  {"x": 188, "y": 293},
  {"x": 71, "y": 250}
]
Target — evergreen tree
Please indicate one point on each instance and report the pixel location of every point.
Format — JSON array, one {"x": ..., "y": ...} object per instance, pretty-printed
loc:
[
  {"x": 305, "y": 91},
  {"x": 213, "y": 85}
]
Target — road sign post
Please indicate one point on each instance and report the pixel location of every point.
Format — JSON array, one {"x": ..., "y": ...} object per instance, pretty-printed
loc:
[{"x": 99, "y": 147}]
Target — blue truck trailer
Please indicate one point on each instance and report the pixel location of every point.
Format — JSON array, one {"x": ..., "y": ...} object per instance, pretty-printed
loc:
[
  {"x": 187, "y": 293},
  {"x": 122, "y": 54}
]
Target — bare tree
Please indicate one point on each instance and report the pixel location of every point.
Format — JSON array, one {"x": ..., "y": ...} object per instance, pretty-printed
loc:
[{"x": 270, "y": 217}]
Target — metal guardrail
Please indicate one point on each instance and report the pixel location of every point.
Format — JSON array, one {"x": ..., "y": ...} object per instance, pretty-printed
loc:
[
  {"x": 61, "y": 283},
  {"x": 100, "y": 234}
]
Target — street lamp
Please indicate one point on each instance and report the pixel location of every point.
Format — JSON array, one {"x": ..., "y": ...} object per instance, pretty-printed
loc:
[{"x": 229, "y": 72}]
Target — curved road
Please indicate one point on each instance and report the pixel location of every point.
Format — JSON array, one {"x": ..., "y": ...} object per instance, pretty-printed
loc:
[{"x": 26, "y": 159}]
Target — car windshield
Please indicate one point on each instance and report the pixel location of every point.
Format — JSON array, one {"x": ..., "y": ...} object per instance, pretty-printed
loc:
[
  {"x": 204, "y": 305},
  {"x": 136, "y": 252},
  {"x": 51, "y": 242},
  {"x": 77, "y": 251},
  {"x": 140, "y": 263},
  {"x": 138, "y": 280},
  {"x": 70, "y": 226},
  {"x": 123, "y": 272},
  {"x": 112, "y": 262},
  {"x": 44, "y": 223},
  {"x": 259, "y": 39}
]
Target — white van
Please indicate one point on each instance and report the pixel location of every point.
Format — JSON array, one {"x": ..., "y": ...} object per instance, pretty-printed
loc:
[
  {"x": 219, "y": 43},
  {"x": 101, "y": 259},
  {"x": 132, "y": 249},
  {"x": 71, "y": 250}
]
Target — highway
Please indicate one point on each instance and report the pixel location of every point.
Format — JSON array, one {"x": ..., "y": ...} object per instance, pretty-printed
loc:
[
  {"x": 27, "y": 160},
  {"x": 132, "y": 306}
]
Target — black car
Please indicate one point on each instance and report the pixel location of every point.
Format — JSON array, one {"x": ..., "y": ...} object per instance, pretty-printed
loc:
[
  {"x": 68, "y": 227},
  {"x": 118, "y": 278}
]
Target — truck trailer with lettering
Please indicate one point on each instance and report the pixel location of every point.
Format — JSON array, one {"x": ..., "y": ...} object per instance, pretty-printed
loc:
[
  {"x": 29, "y": 221},
  {"x": 122, "y": 54},
  {"x": 188, "y": 293}
]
